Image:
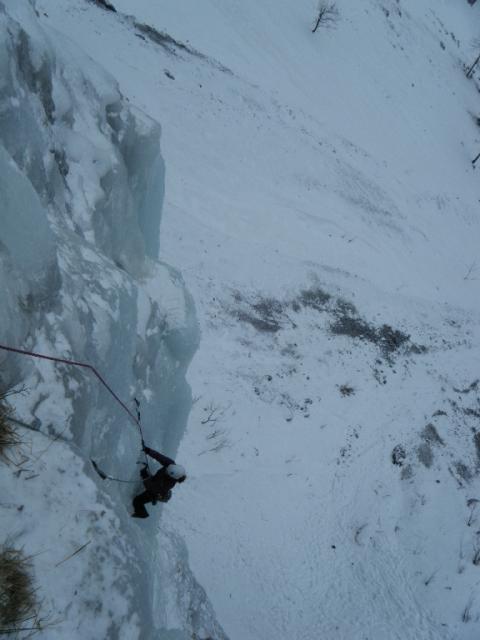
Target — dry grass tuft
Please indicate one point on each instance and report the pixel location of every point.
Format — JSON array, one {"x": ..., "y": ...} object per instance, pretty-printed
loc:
[
  {"x": 18, "y": 601},
  {"x": 8, "y": 434}
]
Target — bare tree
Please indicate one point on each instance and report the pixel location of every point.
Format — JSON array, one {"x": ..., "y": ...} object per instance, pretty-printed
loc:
[
  {"x": 469, "y": 70},
  {"x": 470, "y": 273},
  {"x": 213, "y": 413},
  {"x": 327, "y": 15}
]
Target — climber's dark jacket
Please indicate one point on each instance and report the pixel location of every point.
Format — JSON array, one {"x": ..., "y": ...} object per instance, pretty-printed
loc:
[{"x": 160, "y": 483}]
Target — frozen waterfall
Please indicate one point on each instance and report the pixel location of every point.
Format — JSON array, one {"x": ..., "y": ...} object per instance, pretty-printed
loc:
[{"x": 81, "y": 192}]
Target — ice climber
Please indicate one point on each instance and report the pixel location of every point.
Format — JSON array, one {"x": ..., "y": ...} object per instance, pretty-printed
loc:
[{"x": 160, "y": 485}]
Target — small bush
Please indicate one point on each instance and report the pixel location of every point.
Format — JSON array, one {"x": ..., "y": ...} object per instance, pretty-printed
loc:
[
  {"x": 398, "y": 455},
  {"x": 425, "y": 455},
  {"x": 264, "y": 313},
  {"x": 463, "y": 471},
  {"x": 314, "y": 298},
  {"x": 8, "y": 435},
  {"x": 18, "y": 602},
  {"x": 326, "y": 16},
  {"x": 268, "y": 325},
  {"x": 346, "y": 390},
  {"x": 391, "y": 339},
  {"x": 431, "y": 436},
  {"x": 353, "y": 327}
]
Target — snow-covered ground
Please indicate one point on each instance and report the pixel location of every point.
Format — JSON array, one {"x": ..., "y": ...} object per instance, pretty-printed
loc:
[{"x": 321, "y": 206}]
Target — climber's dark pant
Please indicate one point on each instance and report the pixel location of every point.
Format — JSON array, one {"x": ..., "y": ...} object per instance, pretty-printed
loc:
[{"x": 140, "y": 501}]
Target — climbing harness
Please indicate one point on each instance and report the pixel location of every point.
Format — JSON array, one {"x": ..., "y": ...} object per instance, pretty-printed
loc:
[{"x": 74, "y": 363}]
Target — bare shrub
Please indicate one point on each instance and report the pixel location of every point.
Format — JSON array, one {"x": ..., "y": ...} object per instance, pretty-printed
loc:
[
  {"x": 473, "y": 267},
  {"x": 346, "y": 390},
  {"x": 213, "y": 413},
  {"x": 430, "y": 435},
  {"x": 18, "y": 601},
  {"x": 326, "y": 16},
  {"x": 398, "y": 455},
  {"x": 314, "y": 298},
  {"x": 265, "y": 314},
  {"x": 104, "y": 4},
  {"x": 467, "y": 612},
  {"x": 387, "y": 339},
  {"x": 8, "y": 434},
  {"x": 472, "y": 504},
  {"x": 425, "y": 454},
  {"x": 469, "y": 70},
  {"x": 391, "y": 339},
  {"x": 476, "y": 556},
  {"x": 463, "y": 471},
  {"x": 353, "y": 327}
]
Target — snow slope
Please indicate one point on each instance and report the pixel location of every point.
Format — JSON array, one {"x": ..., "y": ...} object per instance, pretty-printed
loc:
[{"x": 321, "y": 205}]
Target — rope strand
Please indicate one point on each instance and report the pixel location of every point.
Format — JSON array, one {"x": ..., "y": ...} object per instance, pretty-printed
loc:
[{"x": 74, "y": 363}]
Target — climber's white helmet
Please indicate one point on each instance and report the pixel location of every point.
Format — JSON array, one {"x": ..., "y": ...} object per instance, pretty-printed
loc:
[{"x": 176, "y": 471}]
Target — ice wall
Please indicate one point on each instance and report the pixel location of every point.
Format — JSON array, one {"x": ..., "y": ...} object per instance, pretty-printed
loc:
[{"x": 81, "y": 191}]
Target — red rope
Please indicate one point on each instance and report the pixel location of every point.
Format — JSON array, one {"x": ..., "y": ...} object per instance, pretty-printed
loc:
[{"x": 73, "y": 363}]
